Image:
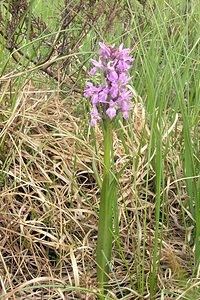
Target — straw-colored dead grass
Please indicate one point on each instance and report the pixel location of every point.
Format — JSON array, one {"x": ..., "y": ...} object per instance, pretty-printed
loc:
[{"x": 49, "y": 204}]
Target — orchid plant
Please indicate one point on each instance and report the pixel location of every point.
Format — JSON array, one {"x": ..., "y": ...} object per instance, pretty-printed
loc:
[{"x": 108, "y": 99}]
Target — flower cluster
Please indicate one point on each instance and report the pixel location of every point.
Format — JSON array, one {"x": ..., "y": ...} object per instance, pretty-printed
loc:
[{"x": 112, "y": 96}]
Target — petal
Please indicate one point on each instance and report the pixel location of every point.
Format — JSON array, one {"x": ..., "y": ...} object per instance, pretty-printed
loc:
[
  {"x": 93, "y": 122},
  {"x": 124, "y": 106},
  {"x": 89, "y": 84},
  {"x": 111, "y": 112},
  {"x": 105, "y": 48},
  {"x": 112, "y": 76},
  {"x": 97, "y": 64},
  {"x": 114, "y": 91},
  {"x": 121, "y": 47},
  {"x": 125, "y": 115},
  {"x": 103, "y": 95},
  {"x": 125, "y": 95},
  {"x": 93, "y": 71},
  {"x": 104, "y": 51},
  {"x": 123, "y": 78},
  {"x": 112, "y": 104},
  {"x": 94, "y": 113},
  {"x": 95, "y": 98}
]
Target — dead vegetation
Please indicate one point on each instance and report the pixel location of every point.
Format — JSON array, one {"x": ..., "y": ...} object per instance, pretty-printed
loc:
[{"x": 49, "y": 205}]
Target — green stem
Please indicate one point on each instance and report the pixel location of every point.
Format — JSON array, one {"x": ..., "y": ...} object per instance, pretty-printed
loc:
[{"x": 105, "y": 237}]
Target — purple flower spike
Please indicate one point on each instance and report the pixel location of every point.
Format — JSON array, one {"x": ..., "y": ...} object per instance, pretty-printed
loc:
[{"x": 112, "y": 96}]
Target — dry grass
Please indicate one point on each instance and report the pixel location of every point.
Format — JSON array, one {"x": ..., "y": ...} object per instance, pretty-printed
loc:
[{"x": 49, "y": 204}]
